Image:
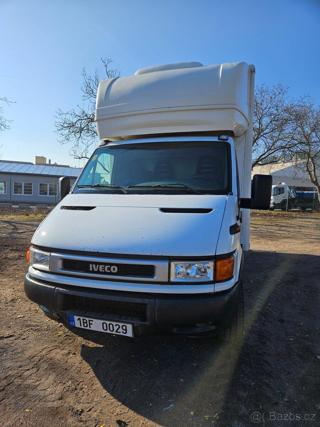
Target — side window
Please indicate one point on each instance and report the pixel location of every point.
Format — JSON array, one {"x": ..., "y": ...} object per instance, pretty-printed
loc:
[
  {"x": 47, "y": 189},
  {"x": 52, "y": 189},
  {"x": 27, "y": 188},
  {"x": 22, "y": 188},
  {"x": 43, "y": 189},
  {"x": 103, "y": 169},
  {"x": 17, "y": 188},
  {"x": 238, "y": 181},
  {"x": 3, "y": 187}
]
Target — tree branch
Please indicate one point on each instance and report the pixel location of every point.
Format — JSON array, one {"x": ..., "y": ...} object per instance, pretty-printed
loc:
[{"x": 77, "y": 125}]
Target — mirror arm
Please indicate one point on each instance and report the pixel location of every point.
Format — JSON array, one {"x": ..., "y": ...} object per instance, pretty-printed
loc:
[{"x": 245, "y": 203}]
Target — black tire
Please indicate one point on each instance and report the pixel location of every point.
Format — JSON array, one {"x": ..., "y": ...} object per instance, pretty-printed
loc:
[
  {"x": 234, "y": 329},
  {"x": 283, "y": 205}
]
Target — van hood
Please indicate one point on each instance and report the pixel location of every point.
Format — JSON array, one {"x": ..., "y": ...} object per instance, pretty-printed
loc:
[{"x": 131, "y": 224}]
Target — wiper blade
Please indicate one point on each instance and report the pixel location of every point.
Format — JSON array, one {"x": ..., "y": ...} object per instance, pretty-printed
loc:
[
  {"x": 104, "y": 186},
  {"x": 173, "y": 186}
]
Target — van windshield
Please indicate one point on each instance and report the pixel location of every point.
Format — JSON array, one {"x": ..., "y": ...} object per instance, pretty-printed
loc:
[{"x": 167, "y": 167}]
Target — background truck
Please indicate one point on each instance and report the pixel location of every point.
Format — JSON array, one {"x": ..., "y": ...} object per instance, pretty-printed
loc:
[
  {"x": 287, "y": 197},
  {"x": 152, "y": 236},
  {"x": 282, "y": 197}
]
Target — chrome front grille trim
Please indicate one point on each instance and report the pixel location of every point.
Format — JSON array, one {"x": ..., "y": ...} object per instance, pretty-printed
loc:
[{"x": 161, "y": 267}]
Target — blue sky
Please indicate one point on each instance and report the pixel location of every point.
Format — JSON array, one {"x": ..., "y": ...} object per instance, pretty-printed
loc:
[{"x": 45, "y": 45}]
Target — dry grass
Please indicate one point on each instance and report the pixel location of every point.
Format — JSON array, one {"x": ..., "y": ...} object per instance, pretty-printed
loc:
[{"x": 35, "y": 214}]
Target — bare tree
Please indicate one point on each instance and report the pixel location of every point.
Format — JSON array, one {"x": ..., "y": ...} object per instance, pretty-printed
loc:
[
  {"x": 4, "y": 123},
  {"x": 77, "y": 126},
  {"x": 272, "y": 125},
  {"x": 306, "y": 150},
  {"x": 271, "y": 120}
]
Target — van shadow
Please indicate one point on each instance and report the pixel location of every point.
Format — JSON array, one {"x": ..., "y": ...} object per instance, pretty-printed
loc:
[{"x": 182, "y": 381}]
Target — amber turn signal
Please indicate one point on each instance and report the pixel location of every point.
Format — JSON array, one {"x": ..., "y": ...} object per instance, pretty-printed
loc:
[
  {"x": 28, "y": 255},
  {"x": 224, "y": 269}
]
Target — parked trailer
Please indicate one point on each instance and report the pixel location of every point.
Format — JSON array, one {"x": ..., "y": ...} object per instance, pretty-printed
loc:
[
  {"x": 306, "y": 198},
  {"x": 152, "y": 236}
]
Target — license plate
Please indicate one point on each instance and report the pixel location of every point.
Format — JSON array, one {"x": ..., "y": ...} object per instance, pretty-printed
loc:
[{"x": 106, "y": 326}]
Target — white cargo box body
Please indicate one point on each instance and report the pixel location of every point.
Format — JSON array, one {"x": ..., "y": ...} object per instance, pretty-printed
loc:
[
  {"x": 184, "y": 98},
  {"x": 176, "y": 99}
]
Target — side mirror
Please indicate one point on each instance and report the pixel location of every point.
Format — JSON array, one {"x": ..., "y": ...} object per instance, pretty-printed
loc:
[
  {"x": 261, "y": 186},
  {"x": 64, "y": 186}
]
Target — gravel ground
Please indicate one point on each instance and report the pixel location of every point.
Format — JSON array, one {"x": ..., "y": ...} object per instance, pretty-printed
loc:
[{"x": 50, "y": 377}]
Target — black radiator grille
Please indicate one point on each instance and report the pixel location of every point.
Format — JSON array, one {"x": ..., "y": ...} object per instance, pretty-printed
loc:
[
  {"x": 109, "y": 268},
  {"x": 105, "y": 308}
]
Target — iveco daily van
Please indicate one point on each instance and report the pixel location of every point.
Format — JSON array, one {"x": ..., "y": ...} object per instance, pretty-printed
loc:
[{"x": 151, "y": 238}]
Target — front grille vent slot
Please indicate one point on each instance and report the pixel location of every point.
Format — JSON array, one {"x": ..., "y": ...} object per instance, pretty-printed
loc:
[
  {"x": 77, "y": 208},
  {"x": 186, "y": 210}
]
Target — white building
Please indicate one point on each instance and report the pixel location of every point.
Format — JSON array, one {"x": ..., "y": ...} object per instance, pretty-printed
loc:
[
  {"x": 291, "y": 173},
  {"x": 28, "y": 183}
]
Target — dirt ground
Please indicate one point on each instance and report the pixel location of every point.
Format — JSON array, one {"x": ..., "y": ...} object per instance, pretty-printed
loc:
[{"x": 50, "y": 377}]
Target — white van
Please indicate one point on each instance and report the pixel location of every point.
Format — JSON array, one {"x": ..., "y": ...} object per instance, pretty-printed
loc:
[{"x": 152, "y": 236}]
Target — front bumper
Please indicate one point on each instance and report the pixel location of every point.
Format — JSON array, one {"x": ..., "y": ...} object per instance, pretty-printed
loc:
[{"x": 148, "y": 313}]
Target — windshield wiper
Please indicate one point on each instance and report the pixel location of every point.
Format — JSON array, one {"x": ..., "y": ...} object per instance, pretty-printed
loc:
[
  {"x": 104, "y": 186},
  {"x": 169, "y": 186}
]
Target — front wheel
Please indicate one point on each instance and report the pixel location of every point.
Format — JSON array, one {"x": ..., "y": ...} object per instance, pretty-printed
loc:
[
  {"x": 234, "y": 329},
  {"x": 283, "y": 205}
]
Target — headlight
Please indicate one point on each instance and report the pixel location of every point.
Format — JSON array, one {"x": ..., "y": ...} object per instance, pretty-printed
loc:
[
  {"x": 199, "y": 271},
  {"x": 39, "y": 259}
]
